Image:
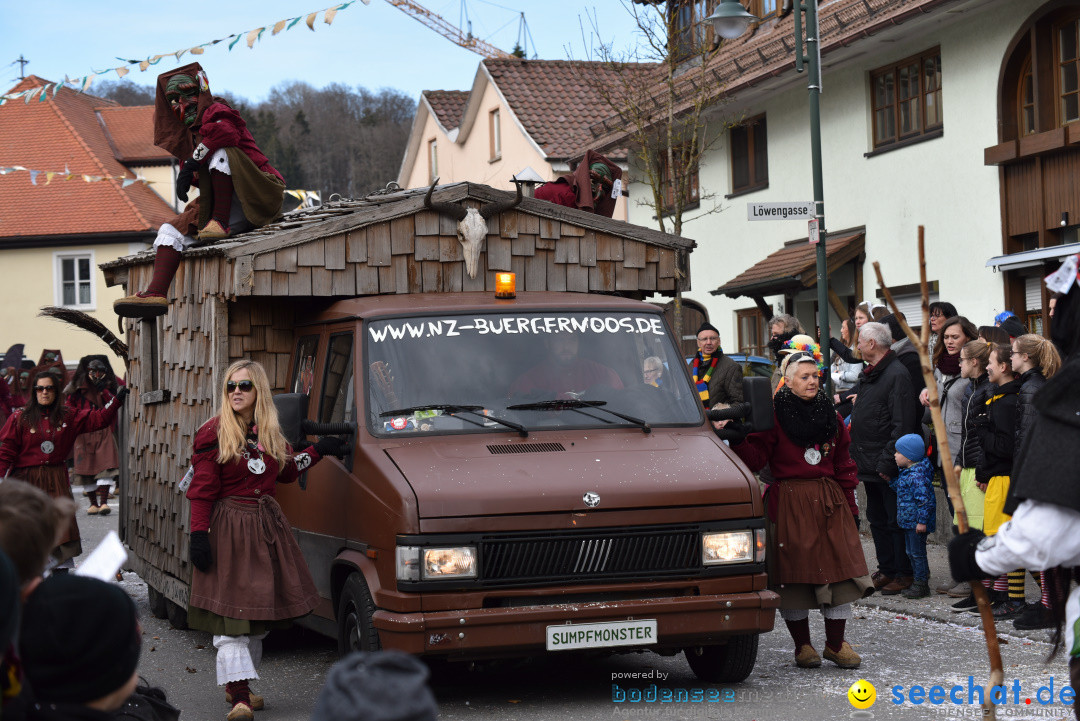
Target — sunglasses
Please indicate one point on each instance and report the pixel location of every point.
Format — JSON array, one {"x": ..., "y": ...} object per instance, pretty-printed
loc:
[
  {"x": 42, "y": 389},
  {"x": 245, "y": 386}
]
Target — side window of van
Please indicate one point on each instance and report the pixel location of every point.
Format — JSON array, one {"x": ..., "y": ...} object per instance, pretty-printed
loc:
[
  {"x": 338, "y": 401},
  {"x": 304, "y": 364}
]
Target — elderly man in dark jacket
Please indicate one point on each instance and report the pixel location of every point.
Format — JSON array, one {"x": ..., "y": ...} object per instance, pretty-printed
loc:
[{"x": 883, "y": 412}]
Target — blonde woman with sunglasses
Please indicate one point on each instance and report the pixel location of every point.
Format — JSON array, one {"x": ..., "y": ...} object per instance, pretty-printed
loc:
[{"x": 249, "y": 576}]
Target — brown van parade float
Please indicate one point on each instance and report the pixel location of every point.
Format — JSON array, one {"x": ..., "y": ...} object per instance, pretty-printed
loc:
[{"x": 514, "y": 487}]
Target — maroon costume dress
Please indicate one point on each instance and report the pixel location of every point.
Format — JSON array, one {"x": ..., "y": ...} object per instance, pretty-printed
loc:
[
  {"x": 96, "y": 455},
  {"x": 259, "y": 575},
  {"x": 23, "y": 456},
  {"x": 814, "y": 556}
]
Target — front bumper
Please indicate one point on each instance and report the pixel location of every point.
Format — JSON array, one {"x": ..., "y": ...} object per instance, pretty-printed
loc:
[{"x": 494, "y": 632}]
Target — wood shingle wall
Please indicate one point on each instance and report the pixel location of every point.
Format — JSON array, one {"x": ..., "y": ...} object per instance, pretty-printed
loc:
[{"x": 420, "y": 253}]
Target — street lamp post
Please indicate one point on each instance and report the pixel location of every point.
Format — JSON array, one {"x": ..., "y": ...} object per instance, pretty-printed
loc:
[{"x": 730, "y": 20}]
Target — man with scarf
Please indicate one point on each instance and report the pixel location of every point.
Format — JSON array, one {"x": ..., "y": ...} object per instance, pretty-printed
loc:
[
  {"x": 590, "y": 187},
  {"x": 718, "y": 378},
  {"x": 814, "y": 556},
  {"x": 238, "y": 187}
]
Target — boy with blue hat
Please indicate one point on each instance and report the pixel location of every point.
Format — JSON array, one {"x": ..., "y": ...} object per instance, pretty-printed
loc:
[{"x": 916, "y": 507}]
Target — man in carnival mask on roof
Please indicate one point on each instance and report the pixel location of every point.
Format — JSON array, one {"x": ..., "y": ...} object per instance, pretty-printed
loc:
[{"x": 238, "y": 187}]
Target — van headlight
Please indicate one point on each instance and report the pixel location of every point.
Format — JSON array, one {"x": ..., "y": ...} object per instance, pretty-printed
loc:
[
  {"x": 417, "y": 563},
  {"x": 727, "y": 547}
]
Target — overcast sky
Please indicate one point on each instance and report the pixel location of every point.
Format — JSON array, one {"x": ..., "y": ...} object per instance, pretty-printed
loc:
[{"x": 373, "y": 46}]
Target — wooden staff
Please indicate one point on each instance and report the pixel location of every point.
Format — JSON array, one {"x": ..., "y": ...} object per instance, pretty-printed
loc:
[{"x": 997, "y": 674}]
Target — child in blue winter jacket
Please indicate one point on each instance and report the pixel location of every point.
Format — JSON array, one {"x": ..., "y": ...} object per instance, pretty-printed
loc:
[{"x": 916, "y": 508}]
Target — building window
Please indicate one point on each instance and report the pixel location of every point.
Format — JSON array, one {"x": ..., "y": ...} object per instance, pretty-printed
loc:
[
  {"x": 433, "y": 160},
  {"x": 495, "y": 134},
  {"x": 669, "y": 178},
  {"x": 763, "y": 8},
  {"x": 689, "y": 31},
  {"x": 907, "y": 98},
  {"x": 751, "y": 331},
  {"x": 75, "y": 280},
  {"x": 749, "y": 156},
  {"x": 1068, "y": 60}
]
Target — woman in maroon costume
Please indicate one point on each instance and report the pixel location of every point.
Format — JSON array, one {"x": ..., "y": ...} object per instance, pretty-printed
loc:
[
  {"x": 250, "y": 576},
  {"x": 36, "y": 441},
  {"x": 814, "y": 556}
]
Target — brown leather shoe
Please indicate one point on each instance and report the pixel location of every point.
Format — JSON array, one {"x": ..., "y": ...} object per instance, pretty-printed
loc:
[
  {"x": 845, "y": 657},
  {"x": 241, "y": 712},
  {"x": 807, "y": 657},
  {"x": 880, "y": 580},
  {"x": 256, "y": 700},
  {"x": 897, "y": 585}
]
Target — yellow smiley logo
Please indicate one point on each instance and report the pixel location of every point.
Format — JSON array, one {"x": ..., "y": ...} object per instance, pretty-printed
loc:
[{"x": 862, "y": 694}]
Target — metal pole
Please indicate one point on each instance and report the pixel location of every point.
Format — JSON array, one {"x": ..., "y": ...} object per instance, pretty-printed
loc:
[{"x": 813, "y": 51}]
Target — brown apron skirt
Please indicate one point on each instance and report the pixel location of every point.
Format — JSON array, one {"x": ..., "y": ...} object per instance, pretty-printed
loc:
[
  {"x": 258, "y": 572},
  {"x": 813, "y": 555},
  {"x": 54, "y": 481}
]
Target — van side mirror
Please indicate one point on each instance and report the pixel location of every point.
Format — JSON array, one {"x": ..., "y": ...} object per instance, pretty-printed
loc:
[
  {"x": 757, "y": 391},
  {"x": 292, "y": 411}
]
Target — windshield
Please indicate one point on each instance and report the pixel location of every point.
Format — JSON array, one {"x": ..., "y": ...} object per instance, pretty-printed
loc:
[{"x": 500, "y": 372}]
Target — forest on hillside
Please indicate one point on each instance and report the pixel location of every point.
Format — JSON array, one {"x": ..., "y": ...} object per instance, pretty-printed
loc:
[{"x": 337, "y": 139}]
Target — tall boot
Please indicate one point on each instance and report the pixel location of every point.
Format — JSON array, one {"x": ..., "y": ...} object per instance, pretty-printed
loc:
[
  {"x": 218, "y": 227},
  {"x": 152, "y": 302}
]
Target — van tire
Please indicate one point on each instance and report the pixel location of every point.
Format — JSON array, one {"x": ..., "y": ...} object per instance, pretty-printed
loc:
[
  {"x": 730, "y": 663},
  {"x": 356, "y": 631},
  {"x": 159, "y": 607},
  {"x": 177, "y": 615}
]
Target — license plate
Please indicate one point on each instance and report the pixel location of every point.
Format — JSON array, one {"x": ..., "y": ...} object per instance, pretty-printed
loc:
[{"x": 601, "y": 635}]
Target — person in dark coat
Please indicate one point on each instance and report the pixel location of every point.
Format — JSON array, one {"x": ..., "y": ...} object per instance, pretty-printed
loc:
[
  {"x": 717, "y": 377},
  {"x": 908, "y": 355},
  {"x": 590, "y": 187},
  {"x": 814, "y": 555},
  {"x": 996, "y": 431},
  {"x": 883, "y": 413},
  {"x": 1034, "y": 360}
]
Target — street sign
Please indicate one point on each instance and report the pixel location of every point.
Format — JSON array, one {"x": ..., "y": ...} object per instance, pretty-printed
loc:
[
  {"x": 812, "y": 231},
  {"x": 780, "y": 211}
]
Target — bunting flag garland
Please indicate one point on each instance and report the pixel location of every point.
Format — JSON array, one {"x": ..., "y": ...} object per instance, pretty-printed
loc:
[
  {"x": 65, "y": 174},
  {"x": 81, "y": 84}
]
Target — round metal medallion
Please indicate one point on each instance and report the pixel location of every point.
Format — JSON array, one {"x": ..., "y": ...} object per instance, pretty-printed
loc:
[
  {"x": 592, "y": 499},
  {"x": 812, "y": 456},
  {"x": 47, "y": 447},
  {"x": 256, "y": 466}
]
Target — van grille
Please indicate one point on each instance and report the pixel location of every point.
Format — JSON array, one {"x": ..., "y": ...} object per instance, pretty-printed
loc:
[
  {"x": 585, "y": 556},
  {"x": 526, "y": 448}
]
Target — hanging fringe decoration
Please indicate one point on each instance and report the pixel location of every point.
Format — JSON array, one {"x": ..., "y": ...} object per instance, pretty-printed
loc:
[{"x": 81, "y": 84}]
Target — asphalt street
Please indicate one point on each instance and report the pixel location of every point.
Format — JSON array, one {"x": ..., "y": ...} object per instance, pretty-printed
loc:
[{"x": 906, "y": 645}]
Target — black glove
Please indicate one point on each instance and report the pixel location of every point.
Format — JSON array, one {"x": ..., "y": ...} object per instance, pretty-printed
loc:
[
  {"x": 734, "y": 432},
  {"x": 185, "y": 177},
  {"x": 121, "y": 394},
  {"x": 962, "y": 557},
  {"x": 201, "y": 555},
  {"x": 331, "y": 446}
]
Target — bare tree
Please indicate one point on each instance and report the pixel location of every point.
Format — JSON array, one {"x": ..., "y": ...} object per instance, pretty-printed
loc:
[
  {"x": 124, "y": 92},
  {"x": 665, "y": 105},
  {"x": 664, "y": 101}
]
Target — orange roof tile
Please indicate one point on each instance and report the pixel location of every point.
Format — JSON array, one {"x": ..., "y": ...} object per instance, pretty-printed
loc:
[
  {"x": 130, "y": 131},
  {"x": 448, "y": 106},
  {"x": 793, "y": 266},
  {"x": 61, "y": 133},
  {"x": 557, "y": 100}
]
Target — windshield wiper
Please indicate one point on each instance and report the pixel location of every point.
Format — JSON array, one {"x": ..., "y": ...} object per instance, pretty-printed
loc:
[
  {"x": 453, "y": 409},
  {"x": 573, "y": 404}
]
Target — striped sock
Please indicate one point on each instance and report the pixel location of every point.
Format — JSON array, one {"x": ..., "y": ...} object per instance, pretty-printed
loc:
[
  {"x": 1016, "y": 584},
  {"x": 1044, "y": 597},
  {"x": 1001, "y": 583}
]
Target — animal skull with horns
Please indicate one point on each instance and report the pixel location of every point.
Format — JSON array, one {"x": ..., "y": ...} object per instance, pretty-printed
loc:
[{"x": 472, "y": 223}]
